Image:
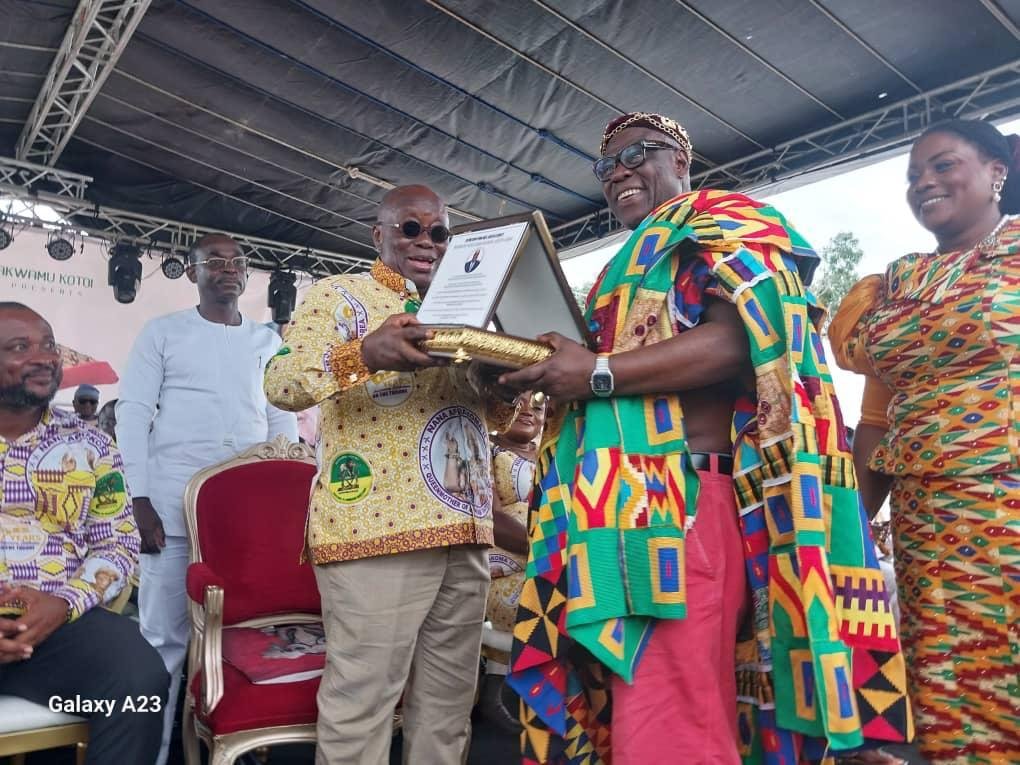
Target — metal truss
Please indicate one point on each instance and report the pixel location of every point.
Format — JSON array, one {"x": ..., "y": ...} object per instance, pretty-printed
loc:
[
  {"x": 994, "y": 94},
  {"x": 157, "y": 234},
  {"x": 97, "y": 35},
  {"x": 30, "y": 176}
]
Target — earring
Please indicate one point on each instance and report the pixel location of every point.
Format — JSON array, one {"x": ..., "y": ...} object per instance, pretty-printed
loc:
[{"x": 997, "y": 190}]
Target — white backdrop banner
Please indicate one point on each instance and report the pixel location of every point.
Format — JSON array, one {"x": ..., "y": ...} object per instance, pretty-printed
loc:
[{"x": 73, "y": 296}]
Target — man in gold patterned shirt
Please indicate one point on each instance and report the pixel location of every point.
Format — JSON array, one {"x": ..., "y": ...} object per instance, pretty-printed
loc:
[{"x": 399, "y": 545}]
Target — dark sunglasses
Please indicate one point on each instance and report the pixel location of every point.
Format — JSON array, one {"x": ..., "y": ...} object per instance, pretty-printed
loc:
[
  {"x": 412, "y": 229},
  {"x": 630, "y": 157}
]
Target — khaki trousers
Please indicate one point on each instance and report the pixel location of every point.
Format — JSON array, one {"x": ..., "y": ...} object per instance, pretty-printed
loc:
[{"x": 412, "y": 619}]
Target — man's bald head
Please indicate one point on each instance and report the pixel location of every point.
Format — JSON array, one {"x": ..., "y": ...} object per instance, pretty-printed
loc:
[
  {"x": 411, "y": 232},
  {"x": 12, "y": 305},
  {"x": 398, "y": 197}
]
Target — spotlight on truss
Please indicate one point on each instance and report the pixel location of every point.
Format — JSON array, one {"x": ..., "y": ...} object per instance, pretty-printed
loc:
[
  {"x": 172, "y": 266},
  {"x": 58, "y": 247},
  {"x": 124, "y": 272},
  {"x": 282, "y": 295}
]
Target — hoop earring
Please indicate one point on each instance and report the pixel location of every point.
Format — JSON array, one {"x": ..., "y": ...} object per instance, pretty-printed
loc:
[{"x": 997, "y": 190}]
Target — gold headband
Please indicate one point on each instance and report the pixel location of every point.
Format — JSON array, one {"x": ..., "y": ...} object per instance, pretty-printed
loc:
[{"x": 665, "y": 125}]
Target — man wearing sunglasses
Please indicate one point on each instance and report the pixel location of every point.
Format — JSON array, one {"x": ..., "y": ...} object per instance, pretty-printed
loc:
[
  {"x": 191, "y": 396},
  {"x": 399, "y": 550},
  {"x": 701, "y": 488}
]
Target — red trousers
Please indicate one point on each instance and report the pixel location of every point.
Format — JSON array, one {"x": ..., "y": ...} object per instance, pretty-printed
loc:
[{"x": 682, "y": 707}]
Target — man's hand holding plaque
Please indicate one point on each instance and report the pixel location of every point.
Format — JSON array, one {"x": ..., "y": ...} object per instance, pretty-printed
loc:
[{"x": 395, "y": 346}]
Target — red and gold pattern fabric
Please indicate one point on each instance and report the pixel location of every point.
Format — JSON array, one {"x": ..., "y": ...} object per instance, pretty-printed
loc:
[{"x": 943, "y": 333}]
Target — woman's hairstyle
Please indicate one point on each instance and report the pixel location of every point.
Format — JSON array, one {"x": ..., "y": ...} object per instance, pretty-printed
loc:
[{"x": 987, "y": 139}]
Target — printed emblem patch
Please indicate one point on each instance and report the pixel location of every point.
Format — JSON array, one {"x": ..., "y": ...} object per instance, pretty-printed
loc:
[
  {"x": 502, "y": 564},
  {"x": 453, "y": 456},
  {"x": 22, "y": 541},
  {"x": 110, "y": 493},
  {"x": 390, "y": 388},
  {"x": 350, "y": 316},
  {"x": 522, "y": 473},
  {"x": 350, "y": 478}
]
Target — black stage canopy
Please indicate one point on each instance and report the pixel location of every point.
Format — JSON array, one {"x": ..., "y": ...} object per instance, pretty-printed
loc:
[{"x": 287, "y": 120}]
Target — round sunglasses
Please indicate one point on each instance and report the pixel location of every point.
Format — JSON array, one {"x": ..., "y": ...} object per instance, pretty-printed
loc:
[{"x": 412, "y": 229}]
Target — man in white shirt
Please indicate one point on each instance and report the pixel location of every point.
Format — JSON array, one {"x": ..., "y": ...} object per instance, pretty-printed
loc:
[{"x": 191, "y": 396}]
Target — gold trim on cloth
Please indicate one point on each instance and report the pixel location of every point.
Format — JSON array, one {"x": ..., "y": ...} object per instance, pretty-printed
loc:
[
  {"x": 404, "y": 541},
  {"x": 390, "y": 279},
  {"x": 347, "y": 365},
  {"x": 470, "y": 344}
]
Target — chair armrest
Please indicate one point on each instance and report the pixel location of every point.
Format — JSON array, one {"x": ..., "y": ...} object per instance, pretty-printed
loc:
[
  {"x": 205, "y": 589},
  {"x": 200, "y": 576},
  {"x": 212, "y": 649}
]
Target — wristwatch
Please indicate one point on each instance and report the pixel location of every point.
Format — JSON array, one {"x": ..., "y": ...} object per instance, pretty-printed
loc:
[{"x": 601, "y": 381}]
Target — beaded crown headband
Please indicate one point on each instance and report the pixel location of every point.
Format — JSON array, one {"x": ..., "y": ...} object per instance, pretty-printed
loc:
[{"x": 665, "y": 125}]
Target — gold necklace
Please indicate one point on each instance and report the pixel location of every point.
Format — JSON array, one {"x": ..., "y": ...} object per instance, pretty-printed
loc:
[{"x": 988, "y": 241}]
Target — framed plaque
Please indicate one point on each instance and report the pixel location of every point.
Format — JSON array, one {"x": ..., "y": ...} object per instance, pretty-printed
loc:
[{"x": 499, "y": 286}]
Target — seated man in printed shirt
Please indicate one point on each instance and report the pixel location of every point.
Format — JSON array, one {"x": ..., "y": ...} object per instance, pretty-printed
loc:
[{"x": 68, "y": 542}]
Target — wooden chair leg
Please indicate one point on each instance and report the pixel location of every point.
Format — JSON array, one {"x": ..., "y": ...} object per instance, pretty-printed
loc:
[
  {"x": 18, "y": 759},
  {"x": 80, "y": 750},
  {"x": 192, "y": 753}
]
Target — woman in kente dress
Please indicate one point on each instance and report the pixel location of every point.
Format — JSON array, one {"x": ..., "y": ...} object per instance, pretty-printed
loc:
[
  {"x": 513, "y": 471},
  {"x": 938, "y": 337}
]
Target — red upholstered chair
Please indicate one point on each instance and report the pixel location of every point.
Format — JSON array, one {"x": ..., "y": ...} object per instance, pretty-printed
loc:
[{"x": 246, "y": 521}]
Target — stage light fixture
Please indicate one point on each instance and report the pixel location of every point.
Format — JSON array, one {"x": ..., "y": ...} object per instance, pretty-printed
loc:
[
  {"x": 58, "y": 247},
  {"x": 172, "y": 266},
  {"x": 282, "y": 295},
  {"x": 124, "y": 272},
  {"x": 6, "y": 234}
]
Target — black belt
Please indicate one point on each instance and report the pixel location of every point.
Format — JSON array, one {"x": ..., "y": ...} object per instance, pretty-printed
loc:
[{"x": 712, "y": 462}]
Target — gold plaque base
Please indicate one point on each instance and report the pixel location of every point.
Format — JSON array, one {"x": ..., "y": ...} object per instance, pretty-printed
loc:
[{"x": 469, "y": 344}]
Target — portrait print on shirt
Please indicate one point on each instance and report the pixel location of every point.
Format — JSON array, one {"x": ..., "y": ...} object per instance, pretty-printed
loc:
[
  {"x": 103, "y": 576},
  {"x": 61, "y": 476},
  {"x": 453, "y": 457}
]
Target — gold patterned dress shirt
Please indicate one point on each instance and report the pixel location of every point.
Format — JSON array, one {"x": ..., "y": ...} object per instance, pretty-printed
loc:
[{"x": 403, "y": 457}]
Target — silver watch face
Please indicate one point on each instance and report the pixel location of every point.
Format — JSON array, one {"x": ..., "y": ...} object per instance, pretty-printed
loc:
[{"x": 601, "y": 382}]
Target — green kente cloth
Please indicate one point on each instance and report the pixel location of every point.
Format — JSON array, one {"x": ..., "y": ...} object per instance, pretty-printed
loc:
[{"x": 615, "y": 492}]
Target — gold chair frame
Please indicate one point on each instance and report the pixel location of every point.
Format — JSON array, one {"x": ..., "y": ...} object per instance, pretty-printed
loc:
[{"x": 17, "y": 744}]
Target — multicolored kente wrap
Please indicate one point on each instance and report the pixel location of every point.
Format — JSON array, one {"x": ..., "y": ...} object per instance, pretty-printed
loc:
[{"x": 821, "y": 667}]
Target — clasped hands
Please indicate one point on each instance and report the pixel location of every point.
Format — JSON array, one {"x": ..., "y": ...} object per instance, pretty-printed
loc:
[
  {"x": 43, "y": 615},
  {"x": 564, "y": 376}
]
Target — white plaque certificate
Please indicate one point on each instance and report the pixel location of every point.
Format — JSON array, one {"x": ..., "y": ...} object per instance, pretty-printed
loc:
[
  {"x": 503, "y": 273},
  {"x": 470, "y": 277}
]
